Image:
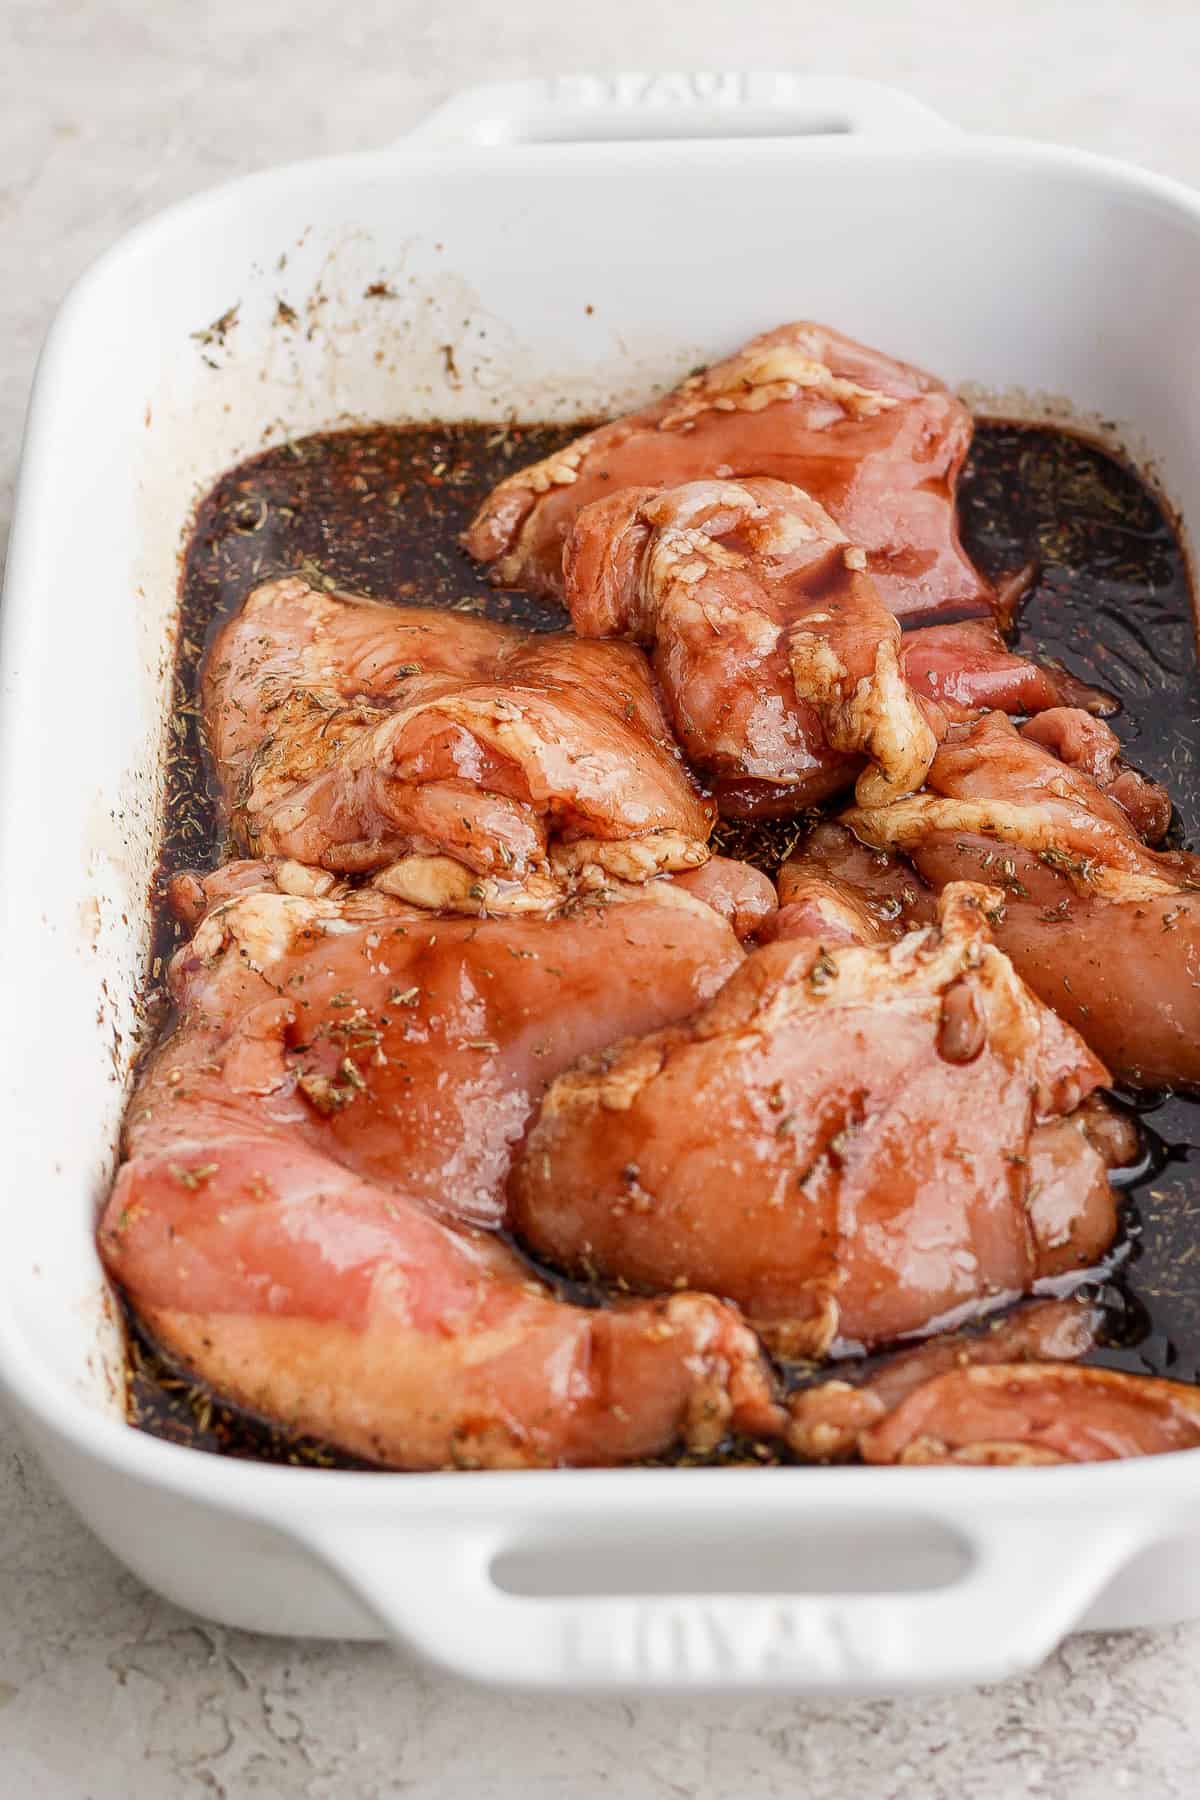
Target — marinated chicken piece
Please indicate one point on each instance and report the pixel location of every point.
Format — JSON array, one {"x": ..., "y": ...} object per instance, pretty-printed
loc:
[
  {"x": 967, "y": 669},
  {"x": 741, "y": 893},
  {"x": 1063, "y": 761},
  {"x": 828, "y": 1419},
  {"x": 776, "y": 657},
  {"x": 815, "y": 907},
  {"x": 880, "y": 896},
  {"x": 955, "y": 672},
  {"x": 335, "y": 1082},
  {"x": 305, "y": 1293},
  {"x": 414, "y": 1050},
  {"x": 486, "y": 769},
  {"x": 1008, "y": 1395},
  {"x": 1029, "y": 1413},
  {"x": 878, "y": 444},
  {"x": 1093, "y": 749},
  {"x": 1106, "y": 931},
  {"x": 782, "y": 671},
  {"x": 845, "y": 1141}
]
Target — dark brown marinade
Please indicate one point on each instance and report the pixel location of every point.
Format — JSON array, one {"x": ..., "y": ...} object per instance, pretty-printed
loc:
[
  {"x": 1114, "y": 603},
  {"x": 379, "y": 511}
]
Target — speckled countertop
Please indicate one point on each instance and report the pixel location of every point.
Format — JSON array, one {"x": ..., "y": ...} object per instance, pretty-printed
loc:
[{"x": 108, "y": 111}]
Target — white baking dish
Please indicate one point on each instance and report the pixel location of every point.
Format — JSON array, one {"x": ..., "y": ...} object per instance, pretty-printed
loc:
[{"x": 650, "y": 223}]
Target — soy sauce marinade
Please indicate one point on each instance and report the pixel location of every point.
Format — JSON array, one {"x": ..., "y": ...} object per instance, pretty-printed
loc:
[{"x": 379, "y": 511}]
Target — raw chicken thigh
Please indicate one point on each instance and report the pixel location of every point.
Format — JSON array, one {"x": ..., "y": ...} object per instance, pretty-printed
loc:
[
  {"x": 875, "y": 442},
  {"x": 414, "y": 1049},
  {"x": 1104, "y": 929},
  {"x": 850, "y": 1141},
  {"x": 829, "y": 1418},
  {"x": 1008, "y": 1395},
  {"x": 482, "y": 767},
  {"x": 777, "y": 659},
  {"x": 782, "y": 671},
  {"x": 338, "y": 1105},
  {"x": 1029, "y": 1413}
]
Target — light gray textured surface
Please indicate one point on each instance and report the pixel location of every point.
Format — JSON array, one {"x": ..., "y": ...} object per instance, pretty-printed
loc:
[{"x": 108, "y": 112}]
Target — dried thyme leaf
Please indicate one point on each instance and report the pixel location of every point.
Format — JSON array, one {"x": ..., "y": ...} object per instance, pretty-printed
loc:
[{"x": 218, "y": 330}]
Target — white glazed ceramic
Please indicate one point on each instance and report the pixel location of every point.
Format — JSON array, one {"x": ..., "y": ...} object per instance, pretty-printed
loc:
[{"x": 573, "y": 244}]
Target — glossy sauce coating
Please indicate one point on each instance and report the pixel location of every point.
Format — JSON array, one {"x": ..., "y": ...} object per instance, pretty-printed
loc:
[
  {"x": 848, "y": 1141},
  {"x": 353, "y": 735},
  {"x": 874, "y": 441}
]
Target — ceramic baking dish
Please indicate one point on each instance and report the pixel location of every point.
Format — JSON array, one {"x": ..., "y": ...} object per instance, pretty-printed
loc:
[{"x": 571, "y": 244}]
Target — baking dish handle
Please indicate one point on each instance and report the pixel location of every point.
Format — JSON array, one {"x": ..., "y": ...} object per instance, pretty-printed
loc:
[
  {"x": 632, "y": 108},
  {"x": 1027, "y": 1583}
]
